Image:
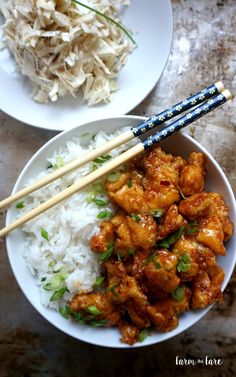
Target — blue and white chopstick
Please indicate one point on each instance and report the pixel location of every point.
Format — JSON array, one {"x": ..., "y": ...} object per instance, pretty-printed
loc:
[
  {"x": 197, "y": 113},
  {"x": 138, "y": 130},
  {"x": 188, "y": 118},
  {"x": 179, "y": 108}
]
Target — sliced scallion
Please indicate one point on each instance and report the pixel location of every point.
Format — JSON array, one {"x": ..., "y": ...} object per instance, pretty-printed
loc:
[
  {"x": 114, "y": 176},
  {"x": 20, "y": 205},
  {"x": 98, "y": 282},
  {"x": 98, "y": 187},
  {"x": 107, "y": 18},
  {"x": 104, "y": 214},
  {"x": 93, "y": 310},
  {"x": 57, "y": 295},
  {"x": 135, "y": 217},
  {"x": 44, "y": 234}
]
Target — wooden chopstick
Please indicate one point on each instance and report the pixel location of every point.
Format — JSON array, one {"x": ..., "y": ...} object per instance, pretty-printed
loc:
[
  {"x": 138, "y": 130},
  {"x": 185, "y": 120}
]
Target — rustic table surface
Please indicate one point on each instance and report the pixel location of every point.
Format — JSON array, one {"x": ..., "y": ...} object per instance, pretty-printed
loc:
[{"x": 203, "y": 51}]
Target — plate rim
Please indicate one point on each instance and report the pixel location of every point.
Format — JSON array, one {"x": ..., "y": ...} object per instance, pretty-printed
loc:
[{"x": 117, "y": 112}]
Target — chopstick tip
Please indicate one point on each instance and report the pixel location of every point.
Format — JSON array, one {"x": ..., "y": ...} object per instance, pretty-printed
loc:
[
  {"x": 220, "y": 86},
  {"x": 228, "y": 95}
]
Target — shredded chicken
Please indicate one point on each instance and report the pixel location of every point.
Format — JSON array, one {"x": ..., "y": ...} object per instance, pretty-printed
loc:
[{"x": 64, "y": 48}]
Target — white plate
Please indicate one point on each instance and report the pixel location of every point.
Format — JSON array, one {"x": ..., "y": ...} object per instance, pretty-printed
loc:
[
  {"x": 179, "y": 144},
  {"x": 152, "y": 20}
]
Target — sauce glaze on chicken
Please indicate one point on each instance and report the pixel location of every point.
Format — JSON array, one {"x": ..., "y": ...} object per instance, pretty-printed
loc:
[{"x": 158, "y": 252}]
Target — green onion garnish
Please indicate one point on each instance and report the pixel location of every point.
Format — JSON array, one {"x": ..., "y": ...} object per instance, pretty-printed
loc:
[
  {"x": 108, "y": 252},
  {"x": 135, "y": 217},
  {"x": 114, "y": 176},
  {"x": 93, "y": 310},
  {"x": 104, "y": 214},
  {"x": 129, "y": 183},
  {"x": 57, "y": 295},
  {"x": 99, "y": 202},
  {"x": 143, "y": 335},
  {"x": 52, "y": 263},
  {"x": 44, "y": 234},
  {"x": 192, "y": 228},
  {"x": 102, "y": 159},
  {"x": 20, "y": 205},
  {"x": 131, "y": 251},
  {"x": 183, "y": 263},
  {"x": 90, "y": 197},
  {"x": 106, "y": 17},
  {"x": 178, "y": 294},
  {"x": 98, "y": 282},
  {"x": 120, "y": 255},
  {"x": 98, "y": 187},
  {"x": 170, "y": 240},
  {"x": 98, "y": 323},
  {"x": 63, "y": 310},
  {"x": 156, "y": 212},
  {"x": 59, "y": 162}
]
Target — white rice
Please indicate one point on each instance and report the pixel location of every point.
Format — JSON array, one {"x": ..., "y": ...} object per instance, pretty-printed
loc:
[{"x": 65, "y": 259}]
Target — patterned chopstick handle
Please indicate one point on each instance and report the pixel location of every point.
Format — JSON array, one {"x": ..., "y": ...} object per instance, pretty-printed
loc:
[
  {"x": 188, "y": 118},
  {"x": 178, "y": 109}
]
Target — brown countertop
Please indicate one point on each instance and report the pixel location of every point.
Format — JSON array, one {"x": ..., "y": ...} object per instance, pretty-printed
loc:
[{"x": 203, "y": 51}]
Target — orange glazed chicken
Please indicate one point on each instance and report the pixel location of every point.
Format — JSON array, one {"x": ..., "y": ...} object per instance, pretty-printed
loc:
[{"x": 158, "y": 252}]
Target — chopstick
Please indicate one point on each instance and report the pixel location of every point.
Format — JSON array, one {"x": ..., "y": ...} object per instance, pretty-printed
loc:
[
  {"x": 184, "y": 121},
  {"x": 138, "y": 130}
]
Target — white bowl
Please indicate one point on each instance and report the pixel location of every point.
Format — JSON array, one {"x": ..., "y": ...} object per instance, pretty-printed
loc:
[
  {"x": 178, "y": 143},
  {"x": 152, "y": 23}
]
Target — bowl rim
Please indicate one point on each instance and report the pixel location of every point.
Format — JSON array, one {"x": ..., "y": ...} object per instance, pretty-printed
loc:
[{"x": 63, "y": 136}]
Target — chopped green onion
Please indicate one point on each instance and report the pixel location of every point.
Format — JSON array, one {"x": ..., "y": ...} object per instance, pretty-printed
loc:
[
  {"x": 113, "y": 291},
  {"x": 135, "y": 217},
  {"x": 170, "y": 240},
  {"x": 183, "y": 263},
  {"x": 94, "y": 167},
  {"x": 44, "y": 234},
  {"x": 192, "y": 228},
  {"x": 78, "y": 317},
  {"x": 99, "y": 202},
  {"x": 114, "y": 176},
  {"x": 52, "y": 263},
  {"x": 98, "y": 282},
  {"x": 98, "y": 187},
  {"x": 143, "y": 335},
  {"x": 59, "y": 162},
  {"x": 156, "y": 264},
  {"x": 44, "y": 278},
  {"x": 131, "y": 251},
  {"x": 20, "y": 205},
  {"x": 63, "y": 310},
  {"x": 156, "y": 212},
  {"x": 102, "y": 159},
  {"x": 178, "y": 294},
  {"x": 104, "y": 214},
  {"x": 93, "y": 310},
  {"x": 149, "y": 259},
  {"x": 48, "y": 287},
  {"x": 120, "y": 255},
  {"x": 129, "y": 183},
  {"x": 57, "y": 295},
  {"x": 107, "y": 18},
  {"x": 106, "y": 255},
  {"x": 49, "y": 166},
  {"x": 98, "y": 323},
  {"x": 90, "y": 197}
]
